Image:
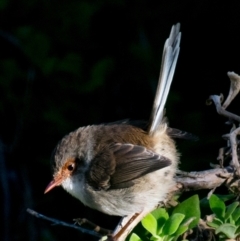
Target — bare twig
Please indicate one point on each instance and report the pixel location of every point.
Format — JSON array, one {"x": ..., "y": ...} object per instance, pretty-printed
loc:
[
  {"x": 234, "y": 88},
  {"x": 233, "y": 141},
  {"x": 220, "y": 157},
  {"x": 58, "y": 222},
  {"x": 95, "y": 227},
  {"x": 217, "y": 99}
]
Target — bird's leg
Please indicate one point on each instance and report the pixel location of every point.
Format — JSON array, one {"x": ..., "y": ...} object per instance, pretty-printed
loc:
[
  {"x": 122, "y": 223},
  {"x": 125, "y": 226}
]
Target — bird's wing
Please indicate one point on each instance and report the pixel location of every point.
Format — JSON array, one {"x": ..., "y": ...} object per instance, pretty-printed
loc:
[{"x": 121, "y": 165}]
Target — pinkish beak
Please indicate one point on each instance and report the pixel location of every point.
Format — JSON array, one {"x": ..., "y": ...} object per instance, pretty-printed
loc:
[{"x": 55, "y": 182}]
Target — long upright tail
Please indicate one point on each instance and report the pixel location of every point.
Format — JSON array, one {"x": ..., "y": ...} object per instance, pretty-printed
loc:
[{"x": 169, "y": 61}]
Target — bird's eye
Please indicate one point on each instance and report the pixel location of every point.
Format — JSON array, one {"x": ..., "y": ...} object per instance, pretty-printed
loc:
[{"x": 71, "y": 167}]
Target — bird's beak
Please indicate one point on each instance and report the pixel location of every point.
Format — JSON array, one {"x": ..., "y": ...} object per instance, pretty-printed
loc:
[{"x": 55, "y": 182}]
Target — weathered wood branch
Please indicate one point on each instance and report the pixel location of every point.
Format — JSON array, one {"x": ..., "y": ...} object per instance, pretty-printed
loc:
[{"x": 207, "y": 179}]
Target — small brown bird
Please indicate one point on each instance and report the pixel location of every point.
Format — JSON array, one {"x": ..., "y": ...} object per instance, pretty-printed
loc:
[{"x": 120, "y": 168}]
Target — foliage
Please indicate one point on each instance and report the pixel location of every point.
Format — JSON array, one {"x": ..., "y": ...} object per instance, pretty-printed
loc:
[
  {"x": 161, "y": 226},
  {"x": 226, "y": 220}
]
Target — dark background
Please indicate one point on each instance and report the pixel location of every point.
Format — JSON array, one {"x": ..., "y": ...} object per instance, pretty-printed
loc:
[{"x": 64, "y": 64}]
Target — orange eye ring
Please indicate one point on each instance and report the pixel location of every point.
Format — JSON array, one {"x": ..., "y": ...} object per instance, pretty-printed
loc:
[{"x": 70, "y": 165}]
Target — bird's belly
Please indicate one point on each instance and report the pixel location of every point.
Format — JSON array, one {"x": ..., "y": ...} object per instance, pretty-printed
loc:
[{"x": 121, "y": 202}]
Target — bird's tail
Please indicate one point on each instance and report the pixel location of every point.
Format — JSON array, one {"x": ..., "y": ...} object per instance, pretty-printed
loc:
[{"x": 169, "y": 60}]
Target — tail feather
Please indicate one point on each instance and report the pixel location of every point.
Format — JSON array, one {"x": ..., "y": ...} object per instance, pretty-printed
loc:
[{"x": 169, "y": 61}]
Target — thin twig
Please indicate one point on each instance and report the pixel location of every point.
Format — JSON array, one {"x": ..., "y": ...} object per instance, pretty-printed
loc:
[
  {"x": 234, "y": 88},
  {"x": 58, "y": 222},
  {"x": 95, "y": 227},
  {"x": 234, "y": 149},
  {"x": 220, "y": 110},
  {"x": 220, "y": 157}
]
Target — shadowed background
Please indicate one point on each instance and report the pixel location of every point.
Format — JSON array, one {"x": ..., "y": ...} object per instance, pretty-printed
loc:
[{"x": 65, "y": 64}]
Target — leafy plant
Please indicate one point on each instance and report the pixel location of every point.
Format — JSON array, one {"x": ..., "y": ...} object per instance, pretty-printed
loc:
[
  {"x": 159, "y": 226},
  {"x": 226, "y": 219}
]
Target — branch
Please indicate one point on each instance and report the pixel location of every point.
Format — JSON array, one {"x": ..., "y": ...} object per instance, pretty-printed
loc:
[
  {"x": 217, "y": 99},
  {"x": 207, "y": 179},
  {"x": 234, "y": 88},
  {"x": 58, "y": 222}
]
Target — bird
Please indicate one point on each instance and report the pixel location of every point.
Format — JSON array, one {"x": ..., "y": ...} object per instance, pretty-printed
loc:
[{"x": 124, "y": 168}]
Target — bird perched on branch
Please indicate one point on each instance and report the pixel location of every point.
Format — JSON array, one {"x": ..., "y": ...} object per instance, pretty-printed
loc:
[{"x": 120, "y": 168}]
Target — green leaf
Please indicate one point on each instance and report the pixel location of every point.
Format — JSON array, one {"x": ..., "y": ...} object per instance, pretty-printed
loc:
[
  {"x": 230, "y": 220},
  {"x": 205, "y": 201},
  {"x": 172, "y": 224},
  {"x": 238, "y": 222},
  {"x": 181, "y": 230},
  {"x": 161, "y": 216},
  {"x": 213, "y": 225},
  {"x": 236, "y": 214},
  {"x": 225, "y": 198},
  {"x": 135, "y": 237},
  {"x": 227, "y": 229},
  {"x": 150, "y": 224},
  {"x": 190, "y": 208},
  {"x": 160, "y": 213},
  {"x": 237, "y": 232},
  {"x": 155, "y": 238},
  {"x": 217, "y": 206},
  {"x": 217, "y": 221},
  {"x": 230, "y": 209}
]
